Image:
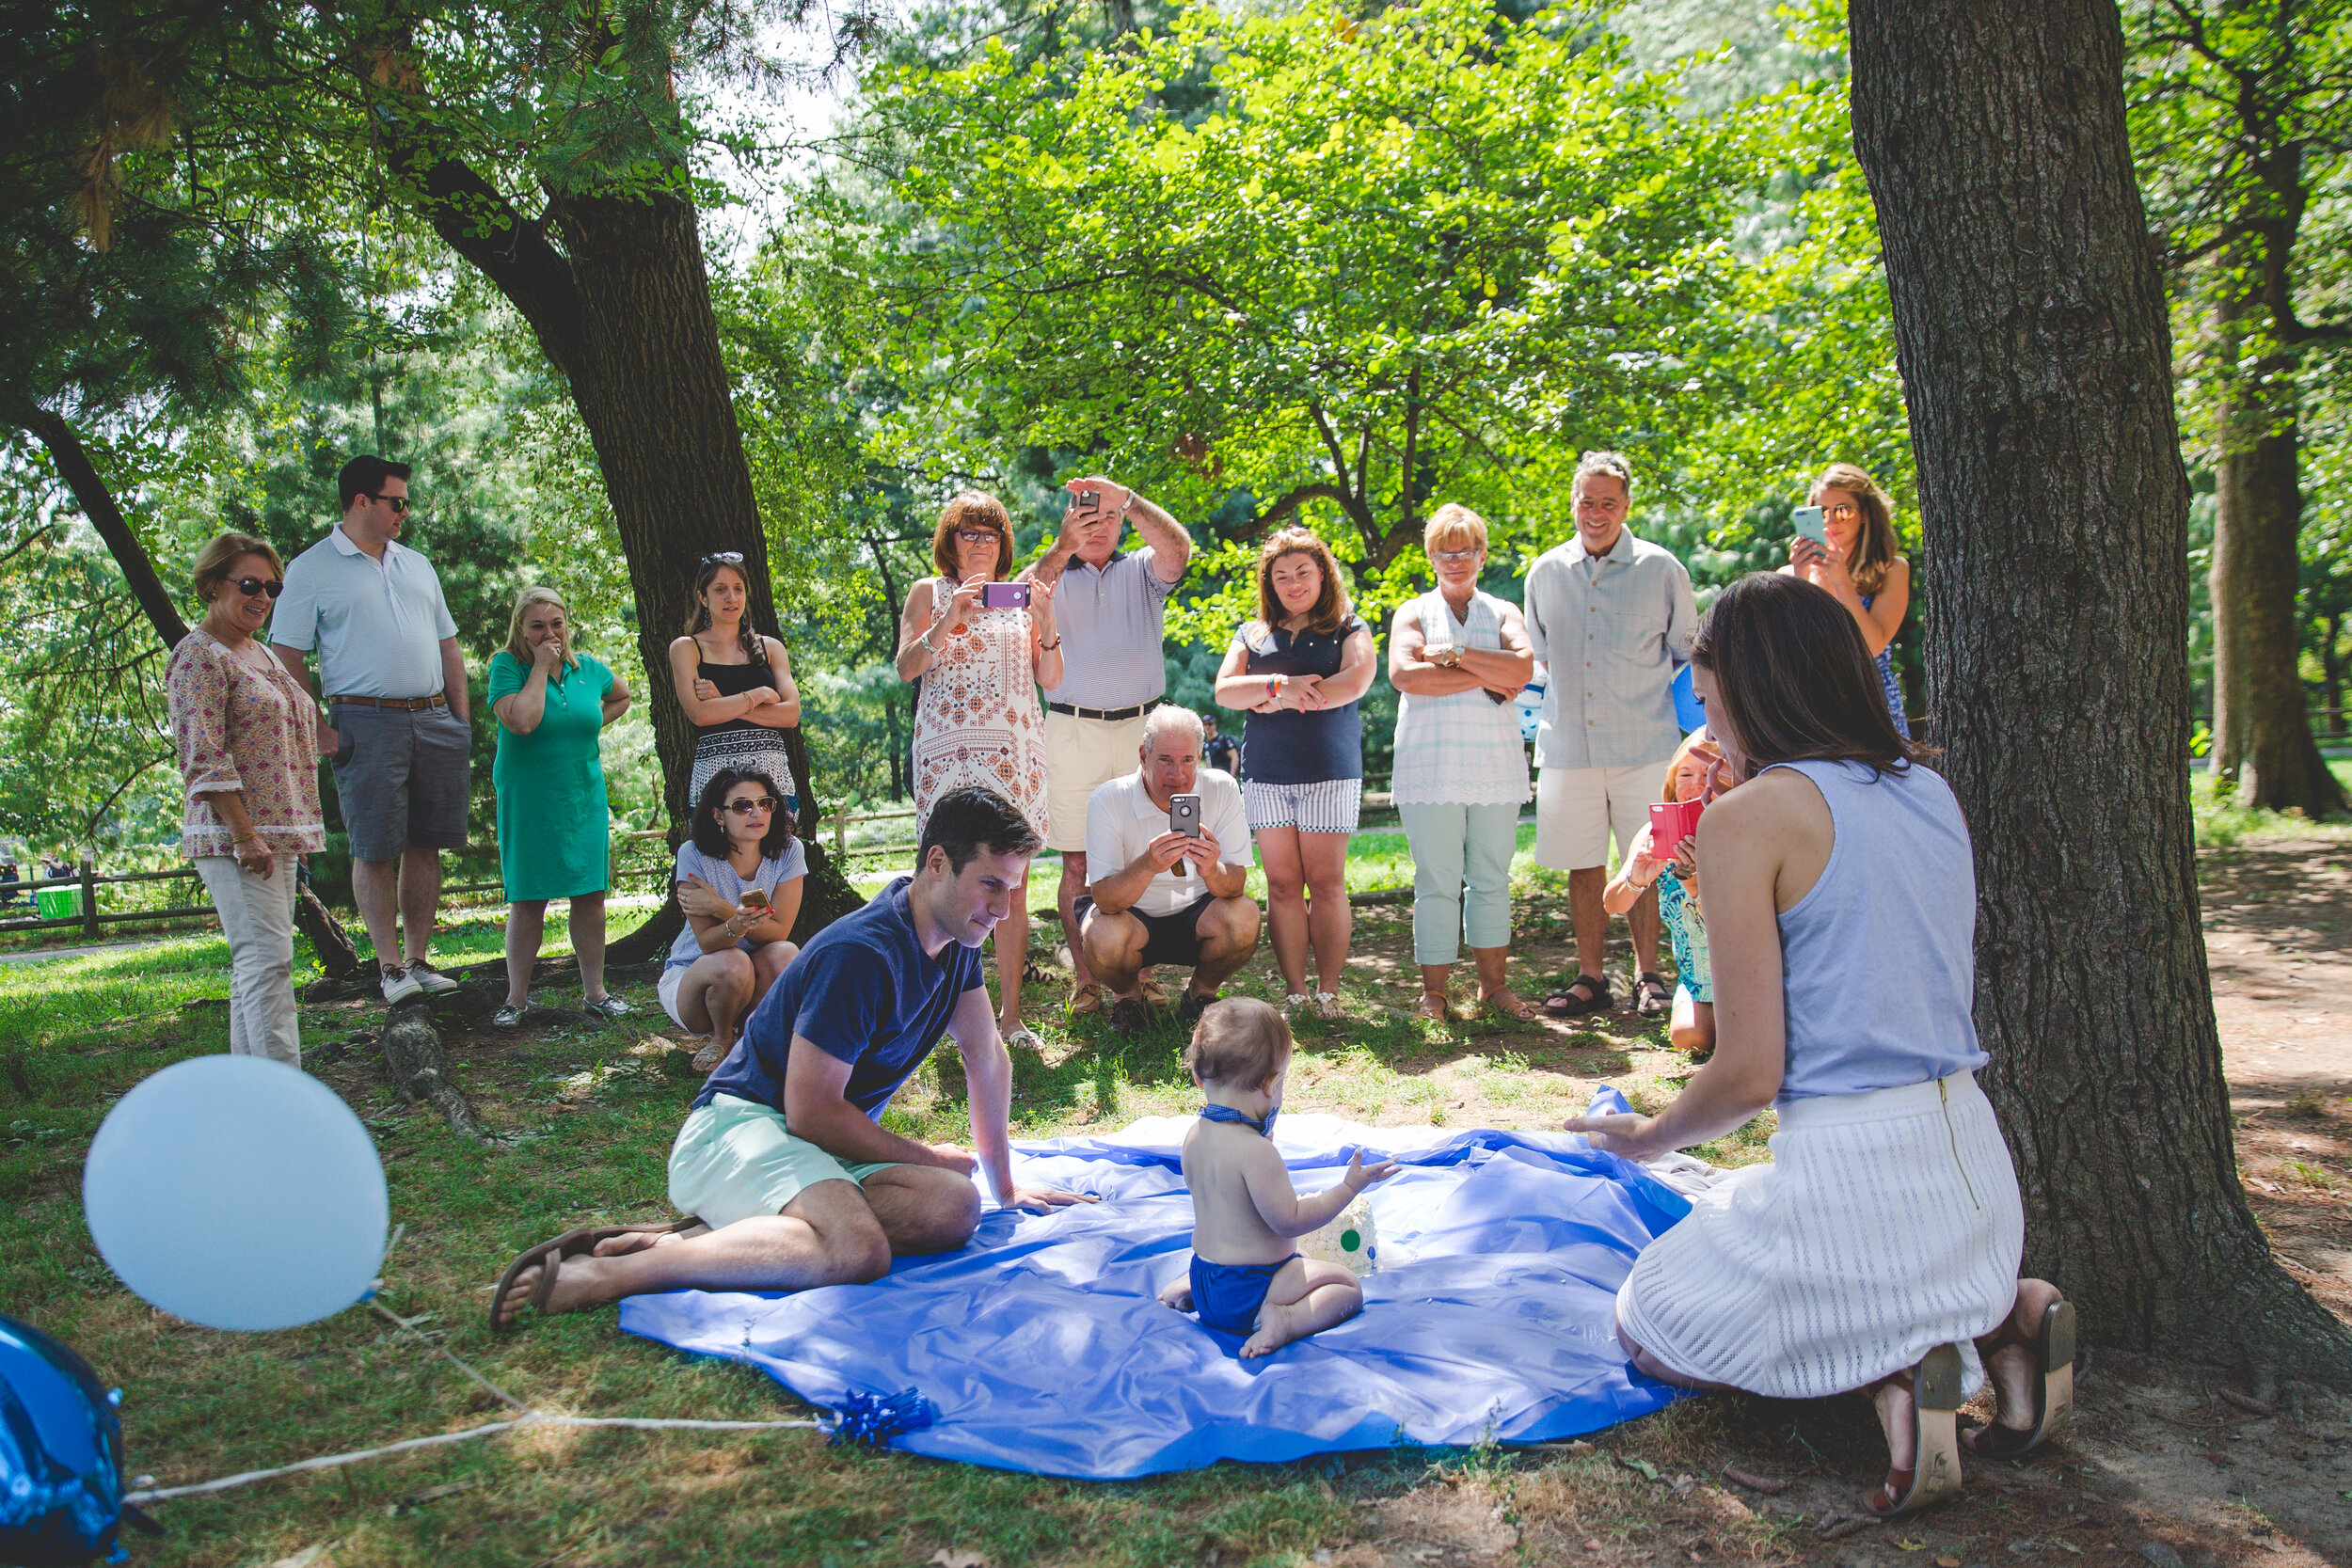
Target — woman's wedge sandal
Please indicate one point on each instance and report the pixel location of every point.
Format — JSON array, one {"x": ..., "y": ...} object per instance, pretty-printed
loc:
[
  {"x": 1934, "y": 1474},
  {"x": 2053, "y": 1353}
]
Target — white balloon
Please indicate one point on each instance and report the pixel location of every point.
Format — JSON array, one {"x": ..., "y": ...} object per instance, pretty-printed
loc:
[{"x": 238, "y": 1193}]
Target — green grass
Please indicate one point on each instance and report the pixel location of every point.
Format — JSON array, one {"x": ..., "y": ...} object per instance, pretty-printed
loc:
[
  {"x": 585, "y": 1117},
  {"x": 2222, "y": 823}
]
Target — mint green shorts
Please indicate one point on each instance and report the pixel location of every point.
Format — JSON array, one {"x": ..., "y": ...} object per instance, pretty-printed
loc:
[{"x": 733, "y": 1160}]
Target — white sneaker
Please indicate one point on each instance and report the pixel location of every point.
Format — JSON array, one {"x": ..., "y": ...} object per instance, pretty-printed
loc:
[
  {"x": 432, "y": 979},
  {"x": 399, "y": 984}
]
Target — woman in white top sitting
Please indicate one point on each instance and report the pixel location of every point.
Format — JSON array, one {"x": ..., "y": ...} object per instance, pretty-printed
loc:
[
  {"x": 739, "y": 879},
  {"x": 1879, "y": 1249},
  {"x": 1458, "y": 658}
]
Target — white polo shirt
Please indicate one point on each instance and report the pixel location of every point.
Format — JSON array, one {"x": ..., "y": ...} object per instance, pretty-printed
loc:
[
  {"x": 378, "y": 629},
  {"x": 1121, "y": 822}
]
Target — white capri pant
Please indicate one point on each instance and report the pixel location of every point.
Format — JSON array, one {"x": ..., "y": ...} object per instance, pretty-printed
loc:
[
  {"x": 257, "y": 916},
  {"x": 1578, "y": 808},
  {"x": 1461, "y": 877}
]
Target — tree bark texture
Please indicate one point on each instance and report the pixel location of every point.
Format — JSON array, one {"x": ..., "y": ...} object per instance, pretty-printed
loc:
[
  {"x": 98, "y": 504},
  {"x": 623, "y": 311},
  {"x": 2031, "y": 328},
  {"x": 2262, "y": 726}
]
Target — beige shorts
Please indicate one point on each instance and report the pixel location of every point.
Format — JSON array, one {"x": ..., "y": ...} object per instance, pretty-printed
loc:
[
  {"x": 734, "y": 1160},
  {"x": 1578, "y": 808},
  {"x": 1081, "y": 756}
]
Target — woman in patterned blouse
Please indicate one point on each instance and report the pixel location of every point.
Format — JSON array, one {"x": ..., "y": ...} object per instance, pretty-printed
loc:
[
  {"x": 978, "y": 722},
  {"x": 249, "y": 755}
]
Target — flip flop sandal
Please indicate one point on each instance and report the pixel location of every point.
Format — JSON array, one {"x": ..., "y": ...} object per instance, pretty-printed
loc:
[
  {"x": 550, "y": 1256},
  {"x": 2053, "y": 1350},
  {"x": 1517, "y": 1009},
  {"x": 1034, "y": 973},
  {"x": 1934, "y": 1474},
  {"x": 1657, "y": 997},
  {"x": 1565, "y": 1003}
]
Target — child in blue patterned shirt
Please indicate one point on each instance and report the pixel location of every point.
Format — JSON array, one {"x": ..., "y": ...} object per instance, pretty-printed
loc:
[{"x": 1697, "y": 772}]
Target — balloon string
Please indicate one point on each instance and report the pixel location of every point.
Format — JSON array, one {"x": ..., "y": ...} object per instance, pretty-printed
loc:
[
  {"x": 532, "y": 1417},
  {"x": 409, "y": 1328}
]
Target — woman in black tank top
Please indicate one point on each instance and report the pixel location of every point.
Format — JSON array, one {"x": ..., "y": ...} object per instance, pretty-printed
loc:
[{"x": 735, "y": 686}]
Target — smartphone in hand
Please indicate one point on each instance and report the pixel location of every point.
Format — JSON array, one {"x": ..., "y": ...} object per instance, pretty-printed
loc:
[
  {"x": 1004, "y": 595},
  {"x": 1809, "y": 525},
  {"x": 1183, "y": 816}
]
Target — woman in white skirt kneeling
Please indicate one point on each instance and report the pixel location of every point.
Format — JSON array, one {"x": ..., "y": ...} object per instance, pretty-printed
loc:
[{"x": 1879, "y": 1250}]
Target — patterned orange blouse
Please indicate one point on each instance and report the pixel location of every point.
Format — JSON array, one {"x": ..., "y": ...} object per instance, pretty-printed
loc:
[{"x": 240, "y": 728}]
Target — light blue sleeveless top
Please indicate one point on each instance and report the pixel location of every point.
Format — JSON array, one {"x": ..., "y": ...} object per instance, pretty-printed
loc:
[{"x": 1879, "y": 959}]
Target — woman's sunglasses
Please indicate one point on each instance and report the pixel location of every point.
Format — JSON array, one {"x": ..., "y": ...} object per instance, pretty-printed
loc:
[
  {"x": 722, "y": 558},
  {"x": 744, "y": 808},
  {"x": 250, "y": 586},
  {"x": 978, "y": 536}
]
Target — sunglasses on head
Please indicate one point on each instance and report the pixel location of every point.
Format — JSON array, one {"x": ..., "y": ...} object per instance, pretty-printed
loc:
[
  {"x": 398, "y": 503},
  {"x": 744, "y": 808},
  {"x": 250, "y": 586},
  {"x": 722, "y": 558}
]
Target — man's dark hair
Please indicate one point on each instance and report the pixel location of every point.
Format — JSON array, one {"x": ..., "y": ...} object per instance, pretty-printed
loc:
[
  {"x": 365, "y": 475},
  {"x": 963, "y": 820},
  {"x": 710, "y": 833}
]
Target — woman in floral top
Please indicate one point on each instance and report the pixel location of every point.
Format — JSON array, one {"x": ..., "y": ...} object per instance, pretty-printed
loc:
[{"x": 248, "y": 750}]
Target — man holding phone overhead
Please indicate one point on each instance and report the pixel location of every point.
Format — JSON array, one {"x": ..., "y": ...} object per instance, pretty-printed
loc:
[
  {"x": 1111, "y": 603},
  {"x": 1169, "y": 847}
]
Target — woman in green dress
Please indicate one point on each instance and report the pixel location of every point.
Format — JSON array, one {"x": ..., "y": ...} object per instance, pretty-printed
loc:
[{"x": 554, "y": 825}]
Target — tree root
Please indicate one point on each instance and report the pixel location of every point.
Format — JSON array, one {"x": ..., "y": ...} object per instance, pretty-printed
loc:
[{"x": 419, "y": 1073}]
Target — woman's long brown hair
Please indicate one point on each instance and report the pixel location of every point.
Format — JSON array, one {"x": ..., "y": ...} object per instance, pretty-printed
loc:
[
  {"x": 699, "y": 622},
  {"x": 1875, "y": 548},
  {"x": 1793, "y": 678},
  {"x": 1330, "y": 606}
]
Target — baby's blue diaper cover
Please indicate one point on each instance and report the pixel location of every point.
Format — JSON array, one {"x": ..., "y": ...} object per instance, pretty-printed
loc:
[{"x": 1228, "y": 1295}]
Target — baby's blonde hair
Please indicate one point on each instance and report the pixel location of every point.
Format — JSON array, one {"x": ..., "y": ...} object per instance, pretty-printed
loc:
[{"x": 1239, "y": 1042}]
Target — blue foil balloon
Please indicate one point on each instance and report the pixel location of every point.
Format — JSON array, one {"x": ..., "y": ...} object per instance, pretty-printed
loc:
[{"x": 60, "y": 1454}]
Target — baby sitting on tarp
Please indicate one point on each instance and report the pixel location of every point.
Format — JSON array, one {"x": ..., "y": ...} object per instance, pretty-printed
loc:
[{"x": 1247, "y": 1278}]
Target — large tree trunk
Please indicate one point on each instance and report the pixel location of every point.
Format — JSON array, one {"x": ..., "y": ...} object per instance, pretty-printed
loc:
[
  {"x": 2262, "y": 727},
  {"x": 623, "y": 311},
  {"x": 2031, "y": 322}
]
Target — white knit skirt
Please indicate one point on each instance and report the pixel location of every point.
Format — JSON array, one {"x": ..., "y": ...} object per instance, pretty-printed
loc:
[{"x": 1887, "y": 1224}]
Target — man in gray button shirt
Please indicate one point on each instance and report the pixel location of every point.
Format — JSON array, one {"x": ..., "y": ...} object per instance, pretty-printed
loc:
[
  {"x": 396, "y": 726},
  {"x": 1610, "y": 616},
  {"x": 1110, "y": 604}
]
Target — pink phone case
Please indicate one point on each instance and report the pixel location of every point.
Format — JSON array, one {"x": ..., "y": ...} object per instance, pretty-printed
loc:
[{"x": 1670, "y": 823}]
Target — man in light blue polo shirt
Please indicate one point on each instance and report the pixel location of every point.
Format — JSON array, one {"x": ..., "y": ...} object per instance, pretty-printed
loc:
[
  {"x": 395, "y": 685},
  {"x": 1610, "y": 616}
]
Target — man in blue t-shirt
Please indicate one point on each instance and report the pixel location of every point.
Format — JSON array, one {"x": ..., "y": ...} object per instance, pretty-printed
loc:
[{"x": 782, "y": 1163}]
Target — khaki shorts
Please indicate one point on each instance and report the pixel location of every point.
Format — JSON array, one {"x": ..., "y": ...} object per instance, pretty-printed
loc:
[
  {"x": 1578, "y": 808},
  {"x": 1081, "y": 756},
  {"x": 733, "y": 1161}
]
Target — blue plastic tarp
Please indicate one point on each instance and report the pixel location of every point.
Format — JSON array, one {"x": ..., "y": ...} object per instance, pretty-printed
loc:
[{"x": 1044, "y": 1348}]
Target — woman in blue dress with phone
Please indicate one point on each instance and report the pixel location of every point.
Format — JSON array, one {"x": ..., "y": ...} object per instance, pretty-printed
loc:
[
  {"x": 977, "y": 721},
  {"x": 1855, "y": 559}
]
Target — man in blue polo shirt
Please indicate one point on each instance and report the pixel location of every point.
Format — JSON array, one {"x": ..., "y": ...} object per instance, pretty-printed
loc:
[
  {"x": 784, "y": 1163},
  {"x": 395, "y": 685}
]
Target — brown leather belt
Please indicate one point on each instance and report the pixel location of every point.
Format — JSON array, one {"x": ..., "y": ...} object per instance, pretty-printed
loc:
[
  {"x": 406, "y": 704},
  {"x": 1113, "y": 715}
]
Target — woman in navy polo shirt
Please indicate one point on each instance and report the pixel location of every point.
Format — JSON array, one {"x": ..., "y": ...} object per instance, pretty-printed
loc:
[{"x": 1299, "y": 671}]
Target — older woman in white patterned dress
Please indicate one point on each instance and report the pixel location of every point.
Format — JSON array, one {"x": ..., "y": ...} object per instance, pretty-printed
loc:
[{"x": 977, "y": 721}]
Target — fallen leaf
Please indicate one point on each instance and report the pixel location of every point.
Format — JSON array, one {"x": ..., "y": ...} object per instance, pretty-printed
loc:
[
  {"x": 948, "y": 1558},
  {"x": 1582, "y": 1449},
  {"x": 1641, "y": 1467},
  {"x": 1592, "y": 1546},
  {"x": 1912, "y": 1545}
]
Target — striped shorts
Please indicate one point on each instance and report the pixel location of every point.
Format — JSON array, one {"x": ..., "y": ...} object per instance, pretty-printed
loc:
[{"x": 1328, "y": 806}]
